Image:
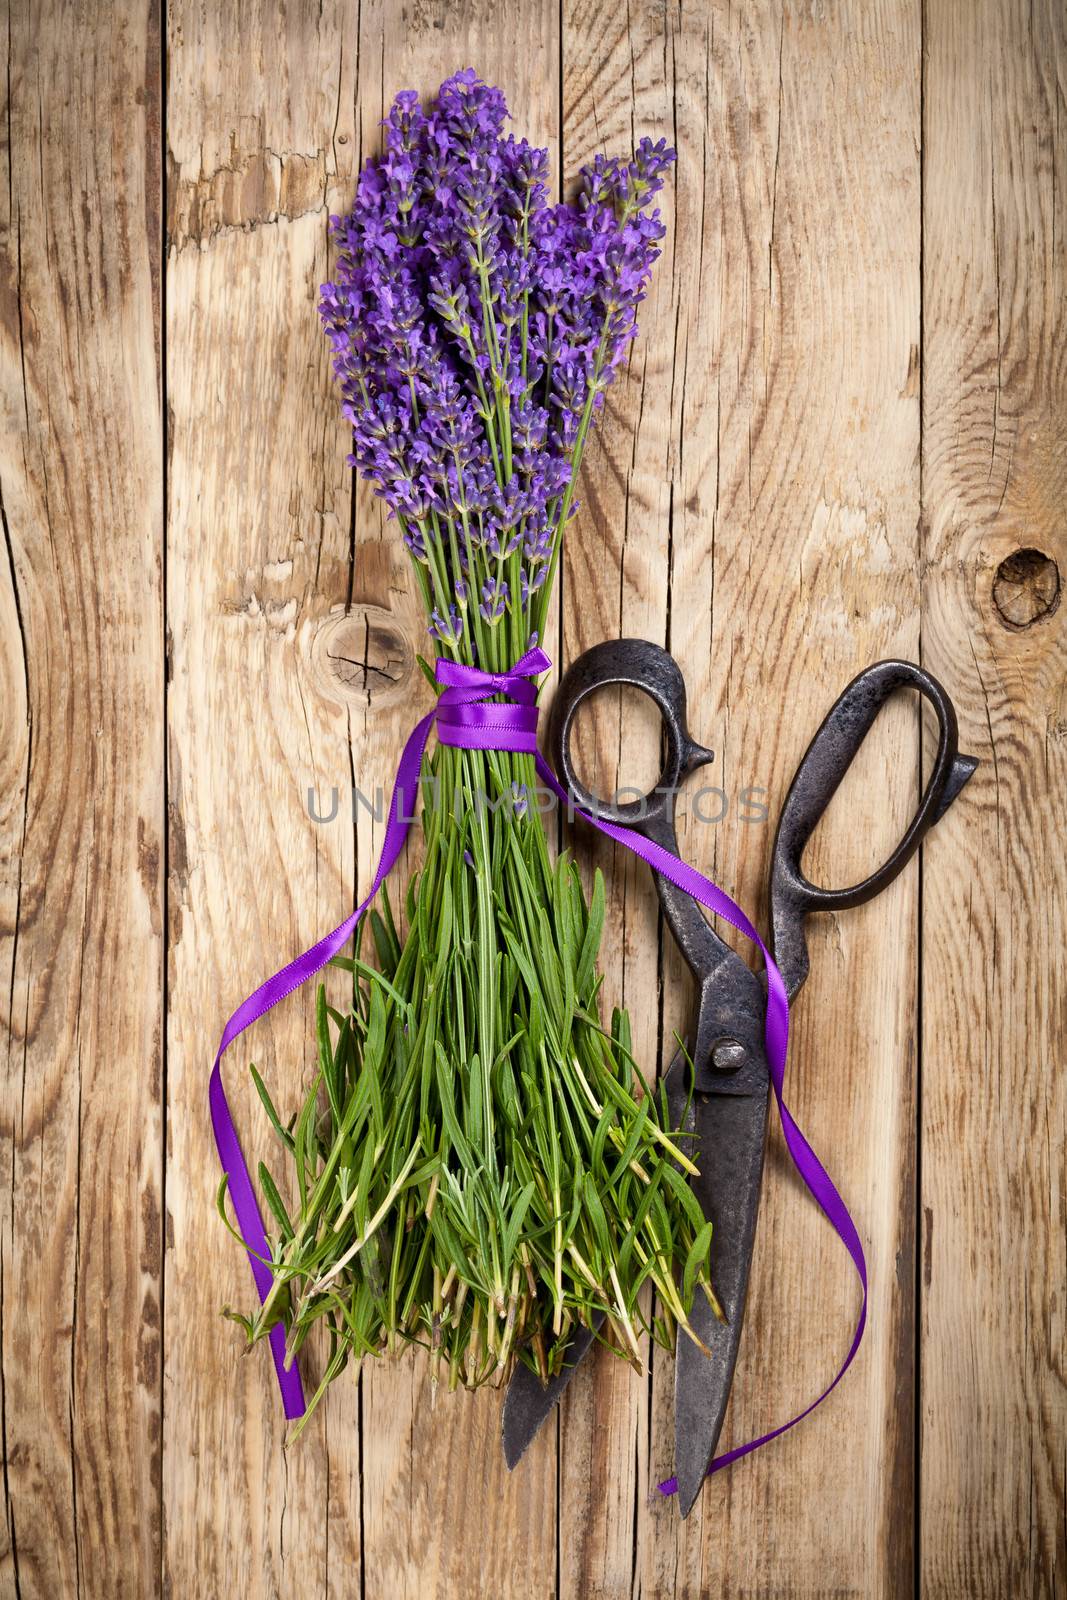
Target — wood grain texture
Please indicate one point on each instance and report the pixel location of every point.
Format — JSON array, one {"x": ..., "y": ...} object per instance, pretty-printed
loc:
[
  {"x": 994, "y": 1113},
  {"x": 616, "y": 581},
  {"x": 247, "y": 250},
  {"x": 443, "y": 1519},
  {"x": 842, "y": 429},
  {"x": 791, "y": 462},
  {"x": 81, "y": 812},
  {"x": 259, "y": 548}
]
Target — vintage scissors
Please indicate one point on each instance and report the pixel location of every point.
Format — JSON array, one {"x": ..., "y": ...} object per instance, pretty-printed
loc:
[{"x": 721, "y": 1096}]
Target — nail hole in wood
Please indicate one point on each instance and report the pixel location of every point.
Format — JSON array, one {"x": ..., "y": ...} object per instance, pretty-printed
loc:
[{"x": 1026, "y": 589}]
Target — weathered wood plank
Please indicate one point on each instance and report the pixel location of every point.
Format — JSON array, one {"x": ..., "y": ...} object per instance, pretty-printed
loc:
[
  {"x": 260, "y": 136},
  {"x": 441, "y": 1515},
  {"x": 616, "y": 583},
  {"x": 258, "y": 295},
  {"x": 994, "y": 1410},
  {"x": 81, "y": 803},
  {"x": 791, "y": 503},
  {"x": 811, "y": 233}
]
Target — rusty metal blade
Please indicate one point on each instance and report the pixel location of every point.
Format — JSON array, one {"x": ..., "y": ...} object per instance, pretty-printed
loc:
[
  {"x": 528, "y": 1402},
  {"x": 731, "y": 1134}
]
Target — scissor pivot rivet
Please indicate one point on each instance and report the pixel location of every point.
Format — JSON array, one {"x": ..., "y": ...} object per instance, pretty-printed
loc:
[{"x": 728, "y": 1055}]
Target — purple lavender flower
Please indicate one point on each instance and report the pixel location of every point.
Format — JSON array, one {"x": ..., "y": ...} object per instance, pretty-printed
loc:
[
  {"x": 475, "y": 329},
  {"x": 494, "y": 600},
  {"x": 446, "y": 629}
]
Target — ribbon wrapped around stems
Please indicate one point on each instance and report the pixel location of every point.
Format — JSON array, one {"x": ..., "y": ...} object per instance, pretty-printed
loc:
[{"x": 466, "y": 715}]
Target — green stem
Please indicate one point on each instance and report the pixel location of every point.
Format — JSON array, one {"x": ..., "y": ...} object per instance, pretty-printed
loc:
[{"x": 568, "y": 493}]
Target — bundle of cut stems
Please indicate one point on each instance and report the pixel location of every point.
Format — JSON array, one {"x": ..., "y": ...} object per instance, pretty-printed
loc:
[{"x": 480, "y": 1166}]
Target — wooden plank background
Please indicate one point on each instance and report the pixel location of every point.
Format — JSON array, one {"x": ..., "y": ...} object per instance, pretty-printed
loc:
[{"x": 843, "y": 435}]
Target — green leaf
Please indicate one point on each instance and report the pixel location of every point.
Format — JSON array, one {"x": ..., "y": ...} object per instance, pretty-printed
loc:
[
  {"x": 428, "y": 673},
  {"x": 448, "y": 1110},
  {"x": 697, "y": 1258},
  {"x": 274, "y": 1200},
  {"x": 373, "y": 1052},
  {"x": 594, "y": 930},
  {"x": 596, "y": 1157},
  {"x": 629, "y": 1237},
  {"x": 595, "y": 1211},
  {"x": 515, "y": 1222},
  {"x": 220, "y": 1206},
  {"x": 361, "y": 1205},
  {"x": 687, "y": 1200},
  {"x": 303, "y": 1138},
  {"x": 633, "y": 1139},
  {"x": 326, "y": 1054},
  {"x": 376, "y": 979},
  {"x": 385, "y": 945},
  {"x": 268, "y": 1106}
]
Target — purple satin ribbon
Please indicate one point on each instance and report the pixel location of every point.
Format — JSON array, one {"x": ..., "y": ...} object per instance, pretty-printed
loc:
[{"x": 466, "y": 716}]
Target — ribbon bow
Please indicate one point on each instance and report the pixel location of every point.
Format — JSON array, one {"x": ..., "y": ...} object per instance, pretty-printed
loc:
[{"x": 465, "y": 720}]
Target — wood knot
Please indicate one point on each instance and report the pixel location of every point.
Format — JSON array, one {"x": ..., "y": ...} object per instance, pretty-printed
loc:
[
  {"x": 364, "y": 656},
  {"x": 1026, "y": 588}
]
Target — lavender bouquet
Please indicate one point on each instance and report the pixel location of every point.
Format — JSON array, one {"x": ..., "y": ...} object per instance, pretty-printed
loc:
[{"x": 480, "y": 1165}]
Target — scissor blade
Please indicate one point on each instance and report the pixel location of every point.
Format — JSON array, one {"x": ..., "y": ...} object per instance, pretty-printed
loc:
[
  {"x": 731, "y": 1133},
  {"x": 529, "y": 1402}
]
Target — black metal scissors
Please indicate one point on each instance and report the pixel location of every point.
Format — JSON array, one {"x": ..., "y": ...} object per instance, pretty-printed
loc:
[{"x": 721, "y": 1098}]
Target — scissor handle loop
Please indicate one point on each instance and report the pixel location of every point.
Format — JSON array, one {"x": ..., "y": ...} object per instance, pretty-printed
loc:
[
  {"x": 827, "y": 759},
  {"x": 637, "y": 664}
]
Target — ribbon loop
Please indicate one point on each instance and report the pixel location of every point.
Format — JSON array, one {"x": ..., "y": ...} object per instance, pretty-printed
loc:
[
  {"x": 467, "y": 716},
  {"x": 515, "y": 681}
]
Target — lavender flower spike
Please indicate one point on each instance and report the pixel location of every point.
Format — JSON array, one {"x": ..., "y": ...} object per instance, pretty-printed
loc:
[{"x": 475, "y": 328}]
